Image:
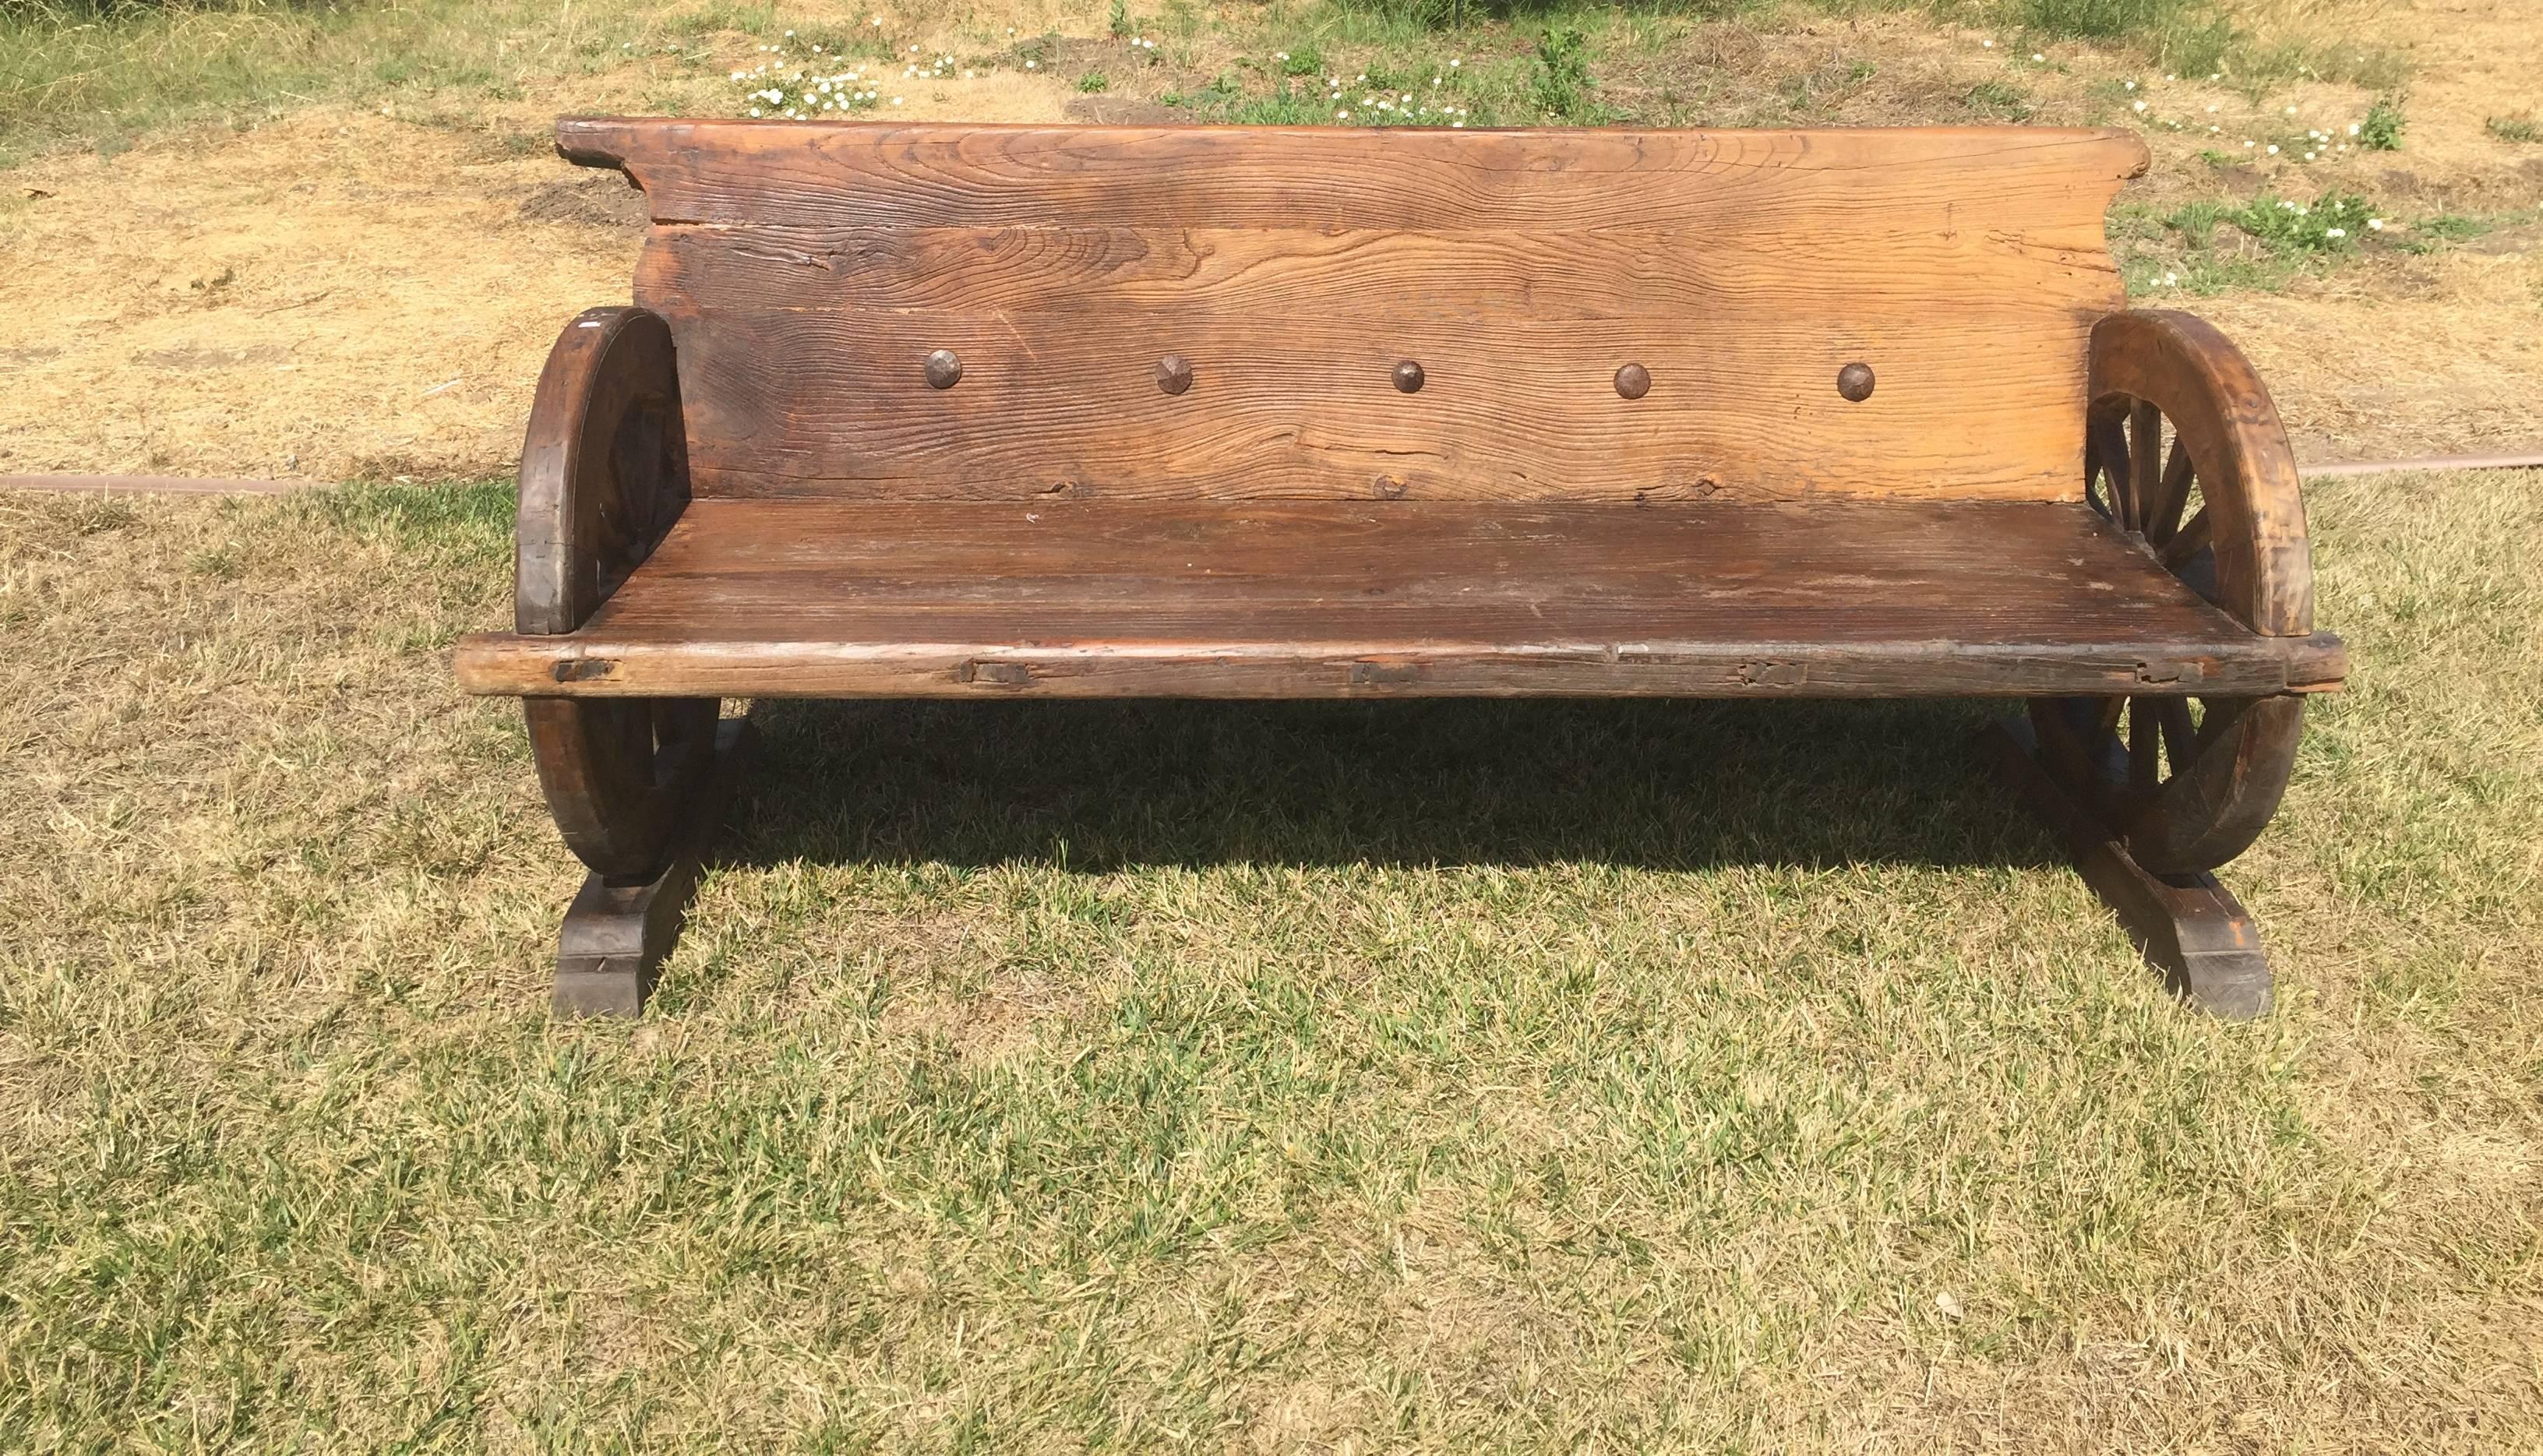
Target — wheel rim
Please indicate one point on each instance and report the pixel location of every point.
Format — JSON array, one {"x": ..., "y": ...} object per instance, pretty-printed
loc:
[{"x": 2188, "y": 782}]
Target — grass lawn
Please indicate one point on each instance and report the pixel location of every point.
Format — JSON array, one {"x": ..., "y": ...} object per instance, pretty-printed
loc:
[{"x": 1453, "y": 1076}]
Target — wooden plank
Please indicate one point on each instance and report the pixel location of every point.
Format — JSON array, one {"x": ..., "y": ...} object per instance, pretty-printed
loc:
[
  {"x": 2036, "y": 181},
  {"x": 808, "y": 267},
  {"x": 807, "y": 402},
  {"x": 2189, "y": 927},
  {"x": 1335, "y": 599},
  {"x": 1466, "y": 275}
]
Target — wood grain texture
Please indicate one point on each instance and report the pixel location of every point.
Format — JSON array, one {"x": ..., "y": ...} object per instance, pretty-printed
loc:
[
  {"x": 1408, "y": 598},
  {"x": 807, "y": 269}
]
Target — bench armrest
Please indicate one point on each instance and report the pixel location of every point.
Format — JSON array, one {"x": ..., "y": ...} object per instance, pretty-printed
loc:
[
  {"x": 2227, "y": 446},
  {"x": 604, "y": 469}
]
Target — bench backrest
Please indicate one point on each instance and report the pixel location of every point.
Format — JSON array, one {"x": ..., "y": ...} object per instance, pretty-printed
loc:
[{"x": 809, "y": 270}]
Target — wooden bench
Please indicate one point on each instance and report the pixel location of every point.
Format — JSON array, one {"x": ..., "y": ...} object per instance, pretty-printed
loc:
[{"x": 1102, "y": 412}]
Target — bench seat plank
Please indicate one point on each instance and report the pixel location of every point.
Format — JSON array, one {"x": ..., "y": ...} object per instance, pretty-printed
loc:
[{"x": 1326, "y": 598}]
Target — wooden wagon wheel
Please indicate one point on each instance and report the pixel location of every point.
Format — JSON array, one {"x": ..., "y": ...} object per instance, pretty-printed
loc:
[
  {"x": 2184, "y": 452},
  {"x": 604, "y": 473}
]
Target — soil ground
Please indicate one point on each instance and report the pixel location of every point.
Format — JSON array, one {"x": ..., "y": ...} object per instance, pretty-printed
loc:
[{"x": 339, "y": 293}]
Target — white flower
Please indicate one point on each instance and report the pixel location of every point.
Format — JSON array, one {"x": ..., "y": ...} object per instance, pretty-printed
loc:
[
  {"x": 2273, "y": 149},
  {"x": 2291, "y": 110},
  {"x": 2308, "y": 156},
  {"x": 1434, "y": 80},
  {"x": 2247, "y": 143},
  {"x": 2129, "y": 85},
  {"x": 2171, "y": 280},
  {"x": 2141, "y": 106},
  {"x": 2036, "y": 55},
  {"x": 1364, "y": 75},
  {"x": 1033, "y": 65},
  {"x": 1342, "y": 115},
  {"x": 2375, "y": 224},
  {"x": 1276, "y": 55},
  {"x": 2334, "y": 232},
  {"x": 1452, "y": 65},
  {"x": 2352, "y": 128},
  {"x": 1987, "y": 45},
  {"x": 896, "y": 101}
]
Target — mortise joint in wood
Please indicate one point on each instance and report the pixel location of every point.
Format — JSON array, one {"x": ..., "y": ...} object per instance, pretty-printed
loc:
[
  {"x": 1385, "y": 674},
  {"x": 995, "y": 674}
]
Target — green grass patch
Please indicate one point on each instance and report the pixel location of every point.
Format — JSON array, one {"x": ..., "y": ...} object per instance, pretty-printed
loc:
[
  {"x": 2518, "y": 129},
  {"x": 1165, "y": 1075},
  {"x": 2381, "y": 129}
]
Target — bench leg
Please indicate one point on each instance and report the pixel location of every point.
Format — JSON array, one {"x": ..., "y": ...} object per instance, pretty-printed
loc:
[
  {"x": 2187, "y": 926},
  {"x": 617, "y": 931}
]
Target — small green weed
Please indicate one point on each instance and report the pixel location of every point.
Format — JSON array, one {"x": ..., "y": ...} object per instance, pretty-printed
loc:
[
  {"x": 1562, "y": 83},
  {"x": 2331, "y": 223},
  {"x": 2513, "y": 129},
  {"x": 1999, "y": 99},
  {"x": 1306, "y": 60},
  {"x": 2381, "y": 131},
  {"x": 1092, "y": 82},
  {"x": 1121, "y": 19}
]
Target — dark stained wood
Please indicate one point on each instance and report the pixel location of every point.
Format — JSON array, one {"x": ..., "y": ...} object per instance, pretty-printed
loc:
[
  {"x": 1334, "y": 599},
  {"x": 617, "y": 933},
  {"x": 603, "y": 475},
  {"x": 2186, "y": 926},
  {"x": 806, "y": 269}
]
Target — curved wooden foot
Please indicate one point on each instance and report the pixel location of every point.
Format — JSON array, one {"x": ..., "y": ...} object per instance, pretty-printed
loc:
[
  {"x": 2186, "y": 926},
  {"x": 618, "y": 931}
]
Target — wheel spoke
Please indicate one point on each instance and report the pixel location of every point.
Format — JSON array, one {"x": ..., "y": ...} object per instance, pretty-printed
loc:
[
  {"x": 2145, "y": 749},
  {"x": 2145, "y": 463},
  {"x": 2180, "y": 735},
  {"x": 2188, "y": 541},
  {"x": 2171, "y": 494},
  {"x": 2109, "y": 458}
]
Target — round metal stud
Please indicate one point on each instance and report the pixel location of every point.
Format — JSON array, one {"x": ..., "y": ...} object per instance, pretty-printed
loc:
[
  {"x": 1633, "y": 381},
  {"x": 1854, "y": 381},
  {"x": 1173, "y": 374},
  {"x": 1408, "y": 376},
  {"x": 943, "y": 369}
]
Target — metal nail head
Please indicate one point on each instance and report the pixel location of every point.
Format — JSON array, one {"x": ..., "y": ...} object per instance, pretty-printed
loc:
[
  {"x": 1854, "y": 381},
  {"x": 1173, "y": 374},
  {"x": 943, "y": 369},
  {"x": 1633, "y": 381},
  {"x": 1408, "y": 376}
]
